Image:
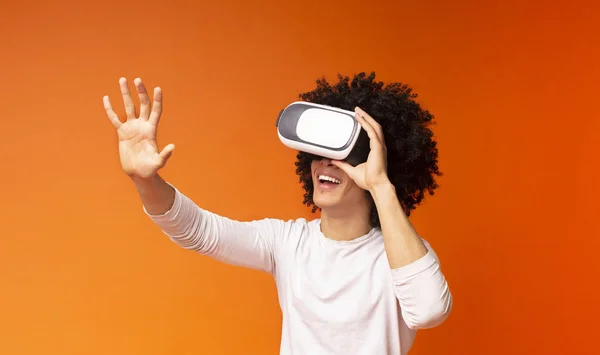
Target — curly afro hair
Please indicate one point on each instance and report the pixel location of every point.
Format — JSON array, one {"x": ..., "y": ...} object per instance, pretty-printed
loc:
[{"x": 411, "y": 149}]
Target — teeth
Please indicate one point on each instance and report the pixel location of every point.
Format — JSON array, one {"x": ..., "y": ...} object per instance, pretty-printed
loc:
[{"x": 329, "y": 178}]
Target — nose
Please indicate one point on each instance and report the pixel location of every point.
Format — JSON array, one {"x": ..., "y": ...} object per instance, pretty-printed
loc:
[{"x": 325, "y": 161}]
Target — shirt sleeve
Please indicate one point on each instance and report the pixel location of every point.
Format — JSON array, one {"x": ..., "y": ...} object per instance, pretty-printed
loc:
[
  {"x": 423, "y": 292},
  {"x": 248, "y": 244}
]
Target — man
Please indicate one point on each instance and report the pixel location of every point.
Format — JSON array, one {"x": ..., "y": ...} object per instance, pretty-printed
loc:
[{"x": 358, "y": 280}]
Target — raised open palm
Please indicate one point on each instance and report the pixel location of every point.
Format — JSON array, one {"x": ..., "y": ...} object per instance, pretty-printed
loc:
[{"x": 138, "y": 150}]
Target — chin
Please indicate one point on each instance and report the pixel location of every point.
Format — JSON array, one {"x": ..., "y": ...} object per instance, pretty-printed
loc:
[
  {"x": 347, "y": 197},
  {"x": 325, "y": 202}
]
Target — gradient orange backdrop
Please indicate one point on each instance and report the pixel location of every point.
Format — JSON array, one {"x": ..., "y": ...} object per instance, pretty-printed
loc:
[{"x": 514, "y": 88}]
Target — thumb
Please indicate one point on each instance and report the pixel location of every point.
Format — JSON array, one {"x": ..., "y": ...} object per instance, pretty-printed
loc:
[
  {"x": 166, "y": 153},
  {"x": 345, "y": 167}
]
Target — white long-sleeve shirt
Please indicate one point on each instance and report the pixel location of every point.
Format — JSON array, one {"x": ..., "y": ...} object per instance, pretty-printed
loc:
[{"x": 336, "y": 297}]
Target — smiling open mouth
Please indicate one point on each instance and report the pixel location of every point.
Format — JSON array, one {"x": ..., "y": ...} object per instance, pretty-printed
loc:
[{"x": 328, "y": 180}]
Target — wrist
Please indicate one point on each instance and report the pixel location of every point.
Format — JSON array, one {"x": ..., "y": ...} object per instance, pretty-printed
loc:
[
  {"x": 144, "y": 182},
  {"x": 384, "y": 189}
]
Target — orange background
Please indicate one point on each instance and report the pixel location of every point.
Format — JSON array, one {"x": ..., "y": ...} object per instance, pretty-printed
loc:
[{"x": 514, "y": 88}]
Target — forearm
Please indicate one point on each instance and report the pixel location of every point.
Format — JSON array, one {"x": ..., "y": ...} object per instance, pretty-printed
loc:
[
  {"x": 402, "y": 243},
  {"x": 248, "y": 244},
  {"x": 157, "y": 196},
  {"x": 420, "y": 285}
]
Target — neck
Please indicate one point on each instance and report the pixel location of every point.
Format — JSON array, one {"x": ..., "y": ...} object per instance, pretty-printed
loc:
[{"x": 345, "y": 226}]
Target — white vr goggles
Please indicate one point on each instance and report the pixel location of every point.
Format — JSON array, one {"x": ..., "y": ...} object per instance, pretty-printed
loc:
[{"x": 325, "y": 131}]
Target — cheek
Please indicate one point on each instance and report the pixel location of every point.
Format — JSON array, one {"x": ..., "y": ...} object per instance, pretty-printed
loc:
[
  {"x": 313, "y": 166},
  {"x": 354, "y": 191}
]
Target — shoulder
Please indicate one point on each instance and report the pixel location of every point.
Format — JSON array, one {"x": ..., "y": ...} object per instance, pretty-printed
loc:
[
  {"x": 284, "y": 230},
  {"x": 289, "y": 237}
]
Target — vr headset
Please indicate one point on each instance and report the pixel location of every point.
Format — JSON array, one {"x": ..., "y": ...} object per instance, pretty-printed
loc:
[{"x": 324, "y": 131}]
